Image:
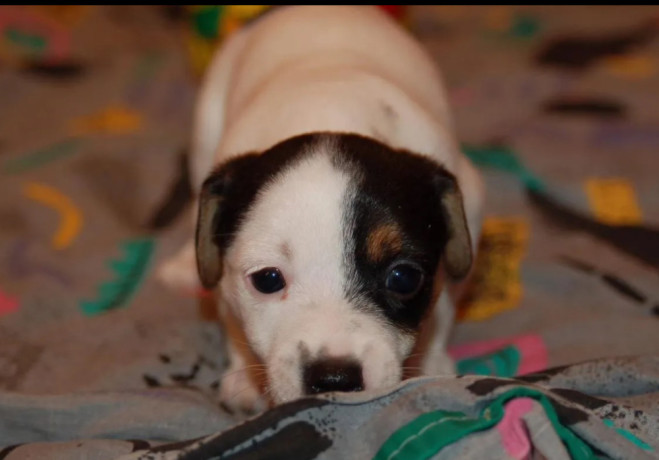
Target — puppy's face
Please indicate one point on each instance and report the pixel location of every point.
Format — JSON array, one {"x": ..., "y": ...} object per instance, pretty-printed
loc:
[{"x": 327, "y": 249}]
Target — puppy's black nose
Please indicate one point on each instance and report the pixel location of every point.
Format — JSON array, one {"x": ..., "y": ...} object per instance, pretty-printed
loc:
[{"x": 332, "y": 375}]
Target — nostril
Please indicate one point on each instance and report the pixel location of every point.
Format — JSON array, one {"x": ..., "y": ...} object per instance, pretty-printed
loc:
[{"x": 332, "y": 375}]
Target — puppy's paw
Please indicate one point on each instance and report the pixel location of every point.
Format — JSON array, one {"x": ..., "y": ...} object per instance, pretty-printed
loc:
[
  {"x": 438, "y": 363},
  {"x": 239, "y": 394},
  {"x": 180, "y": 271}
]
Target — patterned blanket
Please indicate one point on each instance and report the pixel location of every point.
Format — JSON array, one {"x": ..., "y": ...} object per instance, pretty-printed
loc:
[
  {"x": 597, "y": 409},
  {"x": 98, "y": 360}
]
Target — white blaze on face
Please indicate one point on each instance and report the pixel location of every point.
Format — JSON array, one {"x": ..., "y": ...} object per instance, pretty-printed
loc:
[{"x": 296, "y": 224}]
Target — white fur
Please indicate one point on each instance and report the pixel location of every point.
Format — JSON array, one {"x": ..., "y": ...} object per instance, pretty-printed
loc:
[
  {"x": 302, "y": 210},
  {"x": 297, "y": 70}
]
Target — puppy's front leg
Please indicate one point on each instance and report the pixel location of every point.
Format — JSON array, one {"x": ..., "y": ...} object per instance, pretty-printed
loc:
[
  {"x": 180, "y": 271},
  {"x": 239, "y": 390},
  {"x": 242, "y": 384},
  {"x": 435, "y": 359}
]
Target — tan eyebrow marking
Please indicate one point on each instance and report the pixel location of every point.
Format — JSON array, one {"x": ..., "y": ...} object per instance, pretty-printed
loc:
[{"x": 383, "y": 240}]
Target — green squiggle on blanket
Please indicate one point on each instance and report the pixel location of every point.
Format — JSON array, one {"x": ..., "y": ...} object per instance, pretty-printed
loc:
[
  {"x": 130, "y": 272},
  {"x": 426, "y": 435},
  {"x": 40, "y": 157},
  {"x": 502, "y": 363},
  {"x": 504, "y": 159},
  {"x": 627, "y": 434},
  {"x": 33, "y": 43}
]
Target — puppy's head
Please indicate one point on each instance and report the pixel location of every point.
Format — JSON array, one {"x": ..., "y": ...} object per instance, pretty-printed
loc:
[{"x": 327, "y": 249}]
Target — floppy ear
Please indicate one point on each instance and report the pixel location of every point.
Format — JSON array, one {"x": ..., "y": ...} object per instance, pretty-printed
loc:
[
  {"x": 225, "y": 195},
  {"x": 209, "y": 253},
  {"x": 457, "y": 253}
]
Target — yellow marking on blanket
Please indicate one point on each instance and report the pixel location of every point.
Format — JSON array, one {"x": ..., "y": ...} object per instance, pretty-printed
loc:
[
  {"x": 495, "y": 285},
  {"x": 200, "y": 52},
  {"x": 114, "y": 119},
  {"x": 634, "y": 67},
  {"x": 70, "y": 217},
  {"x": 244, "y": 12},
  {"x": 613, "y": 201}
]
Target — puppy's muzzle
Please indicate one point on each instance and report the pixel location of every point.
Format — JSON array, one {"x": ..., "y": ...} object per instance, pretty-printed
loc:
[{"x": 326, "y": 375}]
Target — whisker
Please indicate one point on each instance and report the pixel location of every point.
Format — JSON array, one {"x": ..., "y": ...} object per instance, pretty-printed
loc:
[
  {"x": 240, "y": 342},
  {"x": 239, "y": 392},
  {"x": 251, "y": 367},
  {"x": 267, "y": 391}
]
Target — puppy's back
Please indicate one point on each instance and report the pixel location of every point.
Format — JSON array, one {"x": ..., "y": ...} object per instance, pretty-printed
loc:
[
  {"x": 352, "y": 69},
  {"x": 292, "y": 35}
]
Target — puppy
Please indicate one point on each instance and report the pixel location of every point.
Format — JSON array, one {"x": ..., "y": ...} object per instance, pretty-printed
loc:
[{"x": 333, "y": 205}]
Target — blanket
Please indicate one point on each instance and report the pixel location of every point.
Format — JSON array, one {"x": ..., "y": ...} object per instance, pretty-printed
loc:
[
  {"x": 98, "y": 359},
  {"x": 597, "y": 409}
]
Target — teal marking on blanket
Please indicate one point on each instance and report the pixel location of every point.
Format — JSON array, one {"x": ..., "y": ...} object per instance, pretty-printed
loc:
[
  {"x": 130, "y": 272},
  {"x": 518, "y": 27},
  {"x": 628, "y": 435},
  {"x": 524, "y": 26},
  {"x": 41, "y": 157},
  {"x": 426, "y": 435},
  {"x": 32, "y": 42},
  {"x": 504, "y": 159},
  {"x": 501, "y": 363},
  {"x": 206, "y": 20}
]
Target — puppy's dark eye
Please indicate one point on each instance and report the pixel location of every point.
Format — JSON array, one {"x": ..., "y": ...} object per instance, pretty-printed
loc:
[
  {"x": 268, "y": 280},
  {"x": 404, "y": 280}
]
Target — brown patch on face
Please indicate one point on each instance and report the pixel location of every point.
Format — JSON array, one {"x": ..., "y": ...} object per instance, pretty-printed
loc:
[
  {"x": 383, "y": 240},
  {"x": 286, "y": 250}
]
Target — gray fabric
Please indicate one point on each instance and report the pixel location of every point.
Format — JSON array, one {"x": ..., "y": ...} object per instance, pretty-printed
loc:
[
  {"x": 351, "y": 425},
  {"x": 164, "y": 415}
]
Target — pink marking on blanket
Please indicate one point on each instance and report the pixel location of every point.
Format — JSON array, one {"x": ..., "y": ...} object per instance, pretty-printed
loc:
[
  {"x": 514, "y": 437},
  {"x": 531, "y": 347},
  {"x": 8, "y": 304}
]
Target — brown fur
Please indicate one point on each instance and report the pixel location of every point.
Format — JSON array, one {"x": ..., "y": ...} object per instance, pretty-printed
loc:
[{"x": 384, "y": 240}]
